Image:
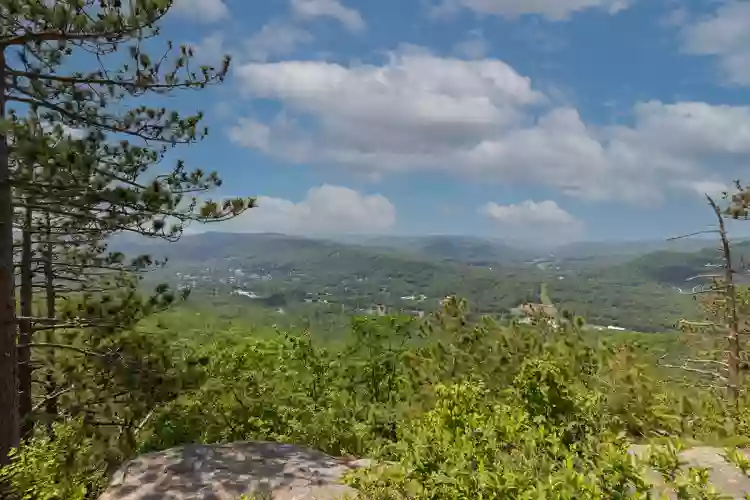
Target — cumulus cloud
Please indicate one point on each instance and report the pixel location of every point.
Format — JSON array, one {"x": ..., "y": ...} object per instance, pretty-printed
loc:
[
  {"x": 726, "y": 35},
  {"x": 715, "y": 189},
  {"x": 311, "y": 9},
  {"x": 326, "y": 209},
  {"x": 207, "y": 11},
  {"x": 542, "y": 221},
  {"x": 407, "y": 110},
  {"x": 210, "y": 49},
  {"x": 275, "y": 38},
  {"x": 481, "y": 118},
  {"x": 556, "y": 10}
]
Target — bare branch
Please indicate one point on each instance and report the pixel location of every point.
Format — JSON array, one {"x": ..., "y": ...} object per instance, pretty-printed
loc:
[
  {"x": 46, "y": 345},
  {"x": 52, "y": 396},
  {"x": 690, "y": 369},
  {"x": 708, "y": 231},
  {"x": 708, "y": 362},
  {"x": 703, "y": 276}
]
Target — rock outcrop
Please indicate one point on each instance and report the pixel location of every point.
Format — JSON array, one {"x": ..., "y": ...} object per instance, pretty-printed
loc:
[
  {"x": 225, "y": 472},
  {"x": 726, "y": 478},
  {"x": 287, "y": 472}
]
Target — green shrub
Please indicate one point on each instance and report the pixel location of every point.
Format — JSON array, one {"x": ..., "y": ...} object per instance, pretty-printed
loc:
[
  {"x": 455, "y": 408},
  {"x": 64, "y": 468}
]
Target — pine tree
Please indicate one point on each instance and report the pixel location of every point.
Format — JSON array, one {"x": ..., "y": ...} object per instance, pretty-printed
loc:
[
  {"x": 726, "y": 307},
  {"x": 41, "y": 45},
  {"x": 71, "y": 251}
]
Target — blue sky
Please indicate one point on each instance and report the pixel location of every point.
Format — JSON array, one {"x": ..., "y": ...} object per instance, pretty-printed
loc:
[{"x": 543, "y": 120}]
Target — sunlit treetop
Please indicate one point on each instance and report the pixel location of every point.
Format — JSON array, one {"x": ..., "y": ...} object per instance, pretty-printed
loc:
[{"x": 100, "y": 141}]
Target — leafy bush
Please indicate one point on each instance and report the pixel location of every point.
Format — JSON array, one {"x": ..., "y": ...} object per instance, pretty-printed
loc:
[
  {"x": 453, "y": 408},
  {"x": 65, "y": 467},
  {"x": 471, "y": 445}
]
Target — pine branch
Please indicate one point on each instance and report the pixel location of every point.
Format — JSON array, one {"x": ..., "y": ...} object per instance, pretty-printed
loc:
[
  {"x": 128, "y": 84},
  {"x": 92, "y": 122},
  {"x": 52, "y": 396},
  {"x": 47, "y": 345}
]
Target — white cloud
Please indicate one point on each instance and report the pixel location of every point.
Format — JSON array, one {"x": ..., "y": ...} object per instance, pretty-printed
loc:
[
  {"x": 210, "y": 50},
  {"x": 542, "y": 221},
  {"x": 694, "y": 128},
  {"x": 725, "y": 34},
  {"x": 556, "y": 10},
  {"x": 310, "y": 9},
  {"x": 207, "y": 11},
  {"x": 251, "y": 134},
  {"x": 409, "y": 109},
  {"x": 482, "y": 119},
  {"x": 275, "y": 38},
  {"x": 715, "y": 189},
  {"x": 325, "y": 210}
]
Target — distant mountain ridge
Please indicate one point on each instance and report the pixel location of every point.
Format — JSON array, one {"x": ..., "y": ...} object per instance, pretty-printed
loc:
[
  {"x": 630, "y": 248},
  {"x": 633, "y": 291},
  {"x": 475, "y": 251},
  {"x": 463, "y": 249},
  {"x": 674, "y": 268}
]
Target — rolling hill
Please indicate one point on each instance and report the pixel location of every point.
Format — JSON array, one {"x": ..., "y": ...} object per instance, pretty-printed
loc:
[
  {"x": 675, "y": 268},
  {"x": 415, "y": 275},
  {"x": 459, "y": 249}
]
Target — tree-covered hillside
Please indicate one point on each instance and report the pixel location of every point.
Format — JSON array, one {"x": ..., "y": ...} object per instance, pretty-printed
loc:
[
  {"x": 457, "y": 249},
  {"x": 354, "y": 278},
  {"x": 408, "y": 352},
  {"x": 540, "y": 409},
  {"x": 675, "y": 268}
]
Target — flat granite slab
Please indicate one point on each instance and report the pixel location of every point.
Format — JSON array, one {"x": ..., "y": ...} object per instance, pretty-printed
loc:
[
  {"x": 287, "y": 472},
  {"x": 225, "y": 472},
  {"x": 726, "y": 477}
]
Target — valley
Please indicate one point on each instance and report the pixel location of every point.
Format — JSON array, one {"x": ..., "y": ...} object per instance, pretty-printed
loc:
[{"x": 286, "y": 274}]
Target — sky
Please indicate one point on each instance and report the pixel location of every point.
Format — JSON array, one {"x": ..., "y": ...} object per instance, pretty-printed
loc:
[{"x": 538, "y": 120}]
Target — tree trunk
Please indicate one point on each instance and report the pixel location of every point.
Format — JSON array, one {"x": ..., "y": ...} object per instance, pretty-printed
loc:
[
  {"x": 25, "y": 329},
  {"x": 733, "y": 337},
  {"x": 50, "y": 407},
  {"x": 9, "y": 420}
]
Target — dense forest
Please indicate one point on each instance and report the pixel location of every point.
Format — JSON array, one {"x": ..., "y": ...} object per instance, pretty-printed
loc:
[
  {"x": 631, "y": 291},
  {"x": 100, "y": 361}
]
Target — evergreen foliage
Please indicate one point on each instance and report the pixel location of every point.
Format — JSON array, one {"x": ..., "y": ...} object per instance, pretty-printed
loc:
[
  {"x": 452, "y": 406},
  {"x": 82, "y": 158}
]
